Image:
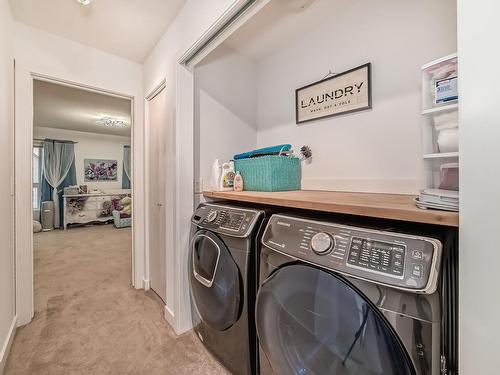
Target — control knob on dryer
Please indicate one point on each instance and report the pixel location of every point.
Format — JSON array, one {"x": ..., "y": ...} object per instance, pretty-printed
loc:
[
  {"x": 322, "y": 243},
  {"x": 212, "y": 216}
]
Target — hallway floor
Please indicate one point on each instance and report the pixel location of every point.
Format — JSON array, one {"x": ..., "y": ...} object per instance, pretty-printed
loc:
[{"x": 88, "y": 318}]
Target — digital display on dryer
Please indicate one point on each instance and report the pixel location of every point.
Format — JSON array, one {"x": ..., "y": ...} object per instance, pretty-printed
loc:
[
  {"x": 384, "y": 257},
  {"x": 232, "y": 221}
]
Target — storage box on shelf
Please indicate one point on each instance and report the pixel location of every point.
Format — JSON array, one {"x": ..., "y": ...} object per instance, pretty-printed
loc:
[
  {"x": 270, "y": 173},
  {"x": 439, "y": 146}
]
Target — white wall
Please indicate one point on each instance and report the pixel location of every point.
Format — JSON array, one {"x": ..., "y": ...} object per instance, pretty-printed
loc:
[
  {"x": 378, "y": 150},
  {"x": 42, "y": 53},
  {"x": 194, "y": 19},
  {"x": 90, "y": 146},
  {"x": 7, "y": 288},
  {"x": 225, "y": 109},
  {"x": 478, "y": 30}
]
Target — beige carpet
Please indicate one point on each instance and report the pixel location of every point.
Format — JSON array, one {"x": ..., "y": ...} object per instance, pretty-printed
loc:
[{"x": 88, "y": 318}]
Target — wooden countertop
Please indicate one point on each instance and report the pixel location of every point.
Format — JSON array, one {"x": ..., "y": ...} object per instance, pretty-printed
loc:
[{"x": 387, "y": 206}]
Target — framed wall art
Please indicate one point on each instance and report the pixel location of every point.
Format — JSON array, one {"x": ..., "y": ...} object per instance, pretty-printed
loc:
[
  {"x": 345, "y": 92},
  {"x": 100, "y": 170}
]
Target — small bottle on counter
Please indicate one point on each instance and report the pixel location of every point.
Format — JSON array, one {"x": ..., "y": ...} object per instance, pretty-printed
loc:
[
  {"x": 238, "y": 182},
  {"x": 227, "y": 177}
]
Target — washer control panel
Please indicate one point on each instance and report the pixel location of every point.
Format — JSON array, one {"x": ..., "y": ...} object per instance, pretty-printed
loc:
[
  {"x": 403, "y": 261},
  {"x": 385, "y": 257},
  {"x": 227, "y": 220}
]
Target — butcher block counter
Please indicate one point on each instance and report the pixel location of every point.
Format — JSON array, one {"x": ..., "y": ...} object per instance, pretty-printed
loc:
[{"x": 387, "y": 206}]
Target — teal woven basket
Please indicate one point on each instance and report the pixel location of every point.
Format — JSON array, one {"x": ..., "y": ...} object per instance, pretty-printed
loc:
[{"x": 270, "y": 173}]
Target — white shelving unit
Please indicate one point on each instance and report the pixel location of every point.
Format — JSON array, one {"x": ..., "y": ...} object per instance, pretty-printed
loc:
[
  {"x": 441, "y": 155},
  {"x": 433, "y": 158},
  {"x": 441, "y": 109}
]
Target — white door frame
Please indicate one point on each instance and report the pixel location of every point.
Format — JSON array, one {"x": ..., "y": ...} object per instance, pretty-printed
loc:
[
  {"x": 183, "y": 183},
  {"x": 23, "y": 192}
]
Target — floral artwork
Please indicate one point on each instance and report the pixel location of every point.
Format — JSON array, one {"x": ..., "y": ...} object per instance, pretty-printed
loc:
[{"x": 100, "y": 170}]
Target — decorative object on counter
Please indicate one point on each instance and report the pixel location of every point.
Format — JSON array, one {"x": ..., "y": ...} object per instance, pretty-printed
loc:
[
  {"x": 305, "y": 152},
  {"x": 238, "y": 182},
  {"x": 216, "y": 175},
  {"x": 84, "y": 189},
  {"x": 227, "y": 177},
  {"x": 438, "y": 199},
  {"x": 272, "y": 150},
  {"x": 345, "y": 92},
  {"x": 100, "y": 170},
  {"x": 449, "y": 176}
]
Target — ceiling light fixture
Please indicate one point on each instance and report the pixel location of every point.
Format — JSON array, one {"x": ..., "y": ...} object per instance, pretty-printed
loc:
[
  {"x": 84, "y": 2},
  {"x": 111, "y": 122}
]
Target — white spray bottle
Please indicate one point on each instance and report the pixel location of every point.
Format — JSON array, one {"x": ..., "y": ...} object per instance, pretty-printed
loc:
[{"x": 216, "y": 175}]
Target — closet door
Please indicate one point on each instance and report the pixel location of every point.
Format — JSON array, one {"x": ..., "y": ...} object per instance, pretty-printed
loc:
[{"x": 157, "y": 192}]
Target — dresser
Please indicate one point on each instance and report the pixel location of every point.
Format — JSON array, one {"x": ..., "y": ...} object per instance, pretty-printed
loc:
[{"x": 87, "y": 208}]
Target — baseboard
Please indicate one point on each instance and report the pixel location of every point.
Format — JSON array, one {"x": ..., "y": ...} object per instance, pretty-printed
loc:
[
  {"x": 4, "y": 353},
  {"x": 146, "y": 284},
  {"x": 169, "y": 316}
]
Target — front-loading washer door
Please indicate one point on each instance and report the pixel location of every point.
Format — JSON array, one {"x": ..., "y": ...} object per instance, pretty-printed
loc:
[
  {"x": 310, "y": 321},
  {"x": 215, "y": 281}
]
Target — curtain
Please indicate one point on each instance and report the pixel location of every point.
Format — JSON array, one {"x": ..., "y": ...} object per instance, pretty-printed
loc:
[
  {"x": 58, "y": 171},
  {"x": 126, "y": 167}
]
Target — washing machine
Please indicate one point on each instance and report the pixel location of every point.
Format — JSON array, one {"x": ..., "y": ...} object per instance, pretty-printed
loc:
[
  {"x": 348, "y": 300},
  {"x": 223, "y": 282}
]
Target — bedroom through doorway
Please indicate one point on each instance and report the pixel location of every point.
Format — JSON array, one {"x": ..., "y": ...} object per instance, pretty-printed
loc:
[{"x": 82, "y": 197}]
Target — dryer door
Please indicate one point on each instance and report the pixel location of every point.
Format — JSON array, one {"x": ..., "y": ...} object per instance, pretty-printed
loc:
[
  {"x": 215, "y": 281},
  {"x": 310, "y": 321}
]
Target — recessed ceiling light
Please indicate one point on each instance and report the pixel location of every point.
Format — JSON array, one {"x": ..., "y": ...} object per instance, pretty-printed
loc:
[
  {"x": 84, "y": 2},
  {"x": 111, "y": 122}
]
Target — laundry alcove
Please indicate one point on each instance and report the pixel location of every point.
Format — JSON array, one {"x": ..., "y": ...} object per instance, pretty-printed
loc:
[{"x": 245, "y": 89}]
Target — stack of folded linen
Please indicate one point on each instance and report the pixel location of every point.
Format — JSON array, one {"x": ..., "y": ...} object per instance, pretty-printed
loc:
[
  {"x": 438, "y": 199},
  {"x": 446, "y": 126}
]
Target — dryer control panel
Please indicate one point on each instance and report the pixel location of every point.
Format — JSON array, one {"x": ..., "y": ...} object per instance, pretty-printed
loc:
[
  {"x": 233, "y": 221},
  {"x": 399, "y": 260}
]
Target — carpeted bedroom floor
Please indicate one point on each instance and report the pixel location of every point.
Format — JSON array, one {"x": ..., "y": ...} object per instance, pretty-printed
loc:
[{"x": 89, "y": 319}]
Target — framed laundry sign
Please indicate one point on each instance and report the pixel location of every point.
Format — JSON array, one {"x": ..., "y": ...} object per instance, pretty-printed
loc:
[{"x": 345, "y": 92}]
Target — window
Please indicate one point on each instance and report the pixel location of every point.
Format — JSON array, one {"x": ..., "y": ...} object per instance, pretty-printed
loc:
[{"x": 37, "y": 175}]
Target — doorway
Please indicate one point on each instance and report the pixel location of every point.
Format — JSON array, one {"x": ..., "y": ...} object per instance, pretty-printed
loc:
[
  {"x": 81, "y": 192},
  {"x": 25, "y": 81}
]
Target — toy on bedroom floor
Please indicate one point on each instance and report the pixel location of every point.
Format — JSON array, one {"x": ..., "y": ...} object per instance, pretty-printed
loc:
[{"x": 122, "y": 214}]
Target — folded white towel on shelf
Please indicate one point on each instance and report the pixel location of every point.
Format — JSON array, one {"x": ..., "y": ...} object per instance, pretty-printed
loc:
[
  {"x": 446, "y": 125},
  {"x": 446, "y": 117}
]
